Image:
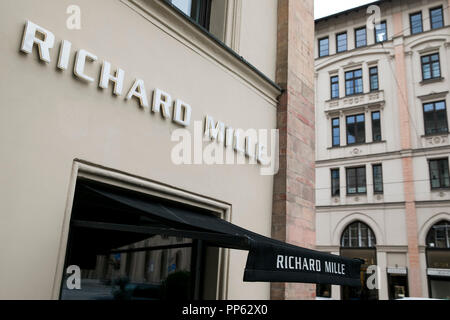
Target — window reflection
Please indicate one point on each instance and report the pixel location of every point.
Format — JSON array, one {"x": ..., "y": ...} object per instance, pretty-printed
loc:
[{"x": 143, "y": 270}]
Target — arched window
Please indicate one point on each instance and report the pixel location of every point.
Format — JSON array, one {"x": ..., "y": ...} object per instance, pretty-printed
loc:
[
  {"x": 439, "y": 236},
  {"x": 358, "y": 235}
]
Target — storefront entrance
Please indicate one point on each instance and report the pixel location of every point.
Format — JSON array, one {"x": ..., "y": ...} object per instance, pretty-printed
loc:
[{"x": 398, "y": 286}]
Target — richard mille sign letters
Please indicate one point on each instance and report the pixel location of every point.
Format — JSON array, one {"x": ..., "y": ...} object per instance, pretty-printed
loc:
[{"x": 156, "y": 101}]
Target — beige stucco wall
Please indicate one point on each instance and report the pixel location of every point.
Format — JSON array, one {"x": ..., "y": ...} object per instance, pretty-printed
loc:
[
  {"x": 49, "y": 118},
  {"x": 258, "y": 34}
]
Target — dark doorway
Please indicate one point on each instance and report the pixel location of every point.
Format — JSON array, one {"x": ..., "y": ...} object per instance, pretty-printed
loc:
[{"x": 398, "y": 286}]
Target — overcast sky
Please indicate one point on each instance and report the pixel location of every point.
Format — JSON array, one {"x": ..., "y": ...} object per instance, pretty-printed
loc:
[{"x": 325, "y": 8}]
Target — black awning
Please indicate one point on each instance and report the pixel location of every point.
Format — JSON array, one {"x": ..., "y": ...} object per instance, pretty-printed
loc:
[{"x": 268, "y": 260}]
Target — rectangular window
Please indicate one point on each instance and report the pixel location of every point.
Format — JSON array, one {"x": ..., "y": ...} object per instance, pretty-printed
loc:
[
  {"x": 360, "y": 37},
  {"x": 334, "y": 87},
  {"x": 439, "y": 174},
  {"x": 197, "y": 10},
  {"x": 324, "y": 46},
  {"x": 356, "y": 129},
  {"x": 431, "y": 67},
  {"x": 376, "y": 126},
  {"x": 435, "y": 118},
  {"x": 353, "y": 82},
  {"x": 341, "y": 42},
  {"x": 374, "y": 83},
  {"x": 377, "y": 178},
  {"x": 335, "y": 127},
  {"x": 437, "y": 18},
  {"x": 335, "y": 183},
  {"x": 356, "y": 181},
  {"x": 381, "y": 32},
  {"x": 416, "y": 23}
]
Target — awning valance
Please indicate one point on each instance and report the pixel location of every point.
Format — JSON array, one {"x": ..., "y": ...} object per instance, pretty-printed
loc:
[{"x": 268, "y": 260}]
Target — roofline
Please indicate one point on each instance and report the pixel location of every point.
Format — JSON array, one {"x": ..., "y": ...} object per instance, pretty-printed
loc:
[{"x": 349, "y": 11}]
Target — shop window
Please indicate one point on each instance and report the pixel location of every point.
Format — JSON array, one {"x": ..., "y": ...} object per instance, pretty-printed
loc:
[
  {"x": 334, "y": 87},
  {"x": 324, "y": 47},
  {"x": 360, "y": 37},
  {"x": 353, "y": 82},
  {"x": 376, "y": 126},
  {"x": 356, "y": 181},
  {"x": 336, "y": 132},
  {"x": 358, "y": 242},
  {"x": 335, "y": 183},
  {"x": 381, "y": 32},
  {"x": 122, "y": 254},
  {"x": 431, "y": 66},
  {"x": 435, "y": 118},
  {"x": 341, "y": 42},
  {"x": 374, "y": 83},
  {"x": 356, "y": 129},
  {"x": 437, "y": 18},
  {"x": 197, "y": 10},
  {"x": 416, "y": 23},
  {"x": 377, "y": 178}
]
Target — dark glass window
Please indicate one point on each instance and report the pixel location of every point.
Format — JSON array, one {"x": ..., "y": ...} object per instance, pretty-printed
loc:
[
  {"x": 435, "y": 117},
  {"x": 356, "y": 181},
  {"x": 439, "y": 236},
  {"x": 374, "y": 83},
  {"x": 353, "y": 82},
  {"x": 335, "y": 183},
  {"x": 358, "y": 235},
  {"x": 197, "y": 10},
  {"x": 376, "y": 126},
  {"x": 431, "y": 67},
  {"x": 377, "y": 178},
  {"x": 334, "y": 87},
  {"x": 437, "y": 18},
  {"x": 324, "y": 47},
  {"x": 356, "y": 129},
  {"x": 335, "y": 127},
  {"x": 341, "y": 42},
  {"x": 381, "y": 32},
  {"x": 439, "y": 174},
  {"x": 416, "y": 23},
  {"x": 360, "y": 37}
]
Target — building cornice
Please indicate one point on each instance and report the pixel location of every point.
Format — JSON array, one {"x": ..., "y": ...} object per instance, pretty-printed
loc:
[
  {"x": 199, "y": 40},
  {"x": 418, "y": 152},
  {"x": 393, "y": 249},
  {"x": 433, "y": 204},
  {"x": 357, "y": 207}
]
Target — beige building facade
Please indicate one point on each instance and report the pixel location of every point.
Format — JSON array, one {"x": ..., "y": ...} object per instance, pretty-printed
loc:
[
  {"x": 382, "y": 79},
  {"x": 86, "y": 90}
]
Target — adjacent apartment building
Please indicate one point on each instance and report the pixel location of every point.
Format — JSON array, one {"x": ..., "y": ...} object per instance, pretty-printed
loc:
[{"x": 383, "y": 146}]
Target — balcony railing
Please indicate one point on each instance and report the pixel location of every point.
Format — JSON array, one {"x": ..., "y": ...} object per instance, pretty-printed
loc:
[{"x": 355, "y": 101}]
